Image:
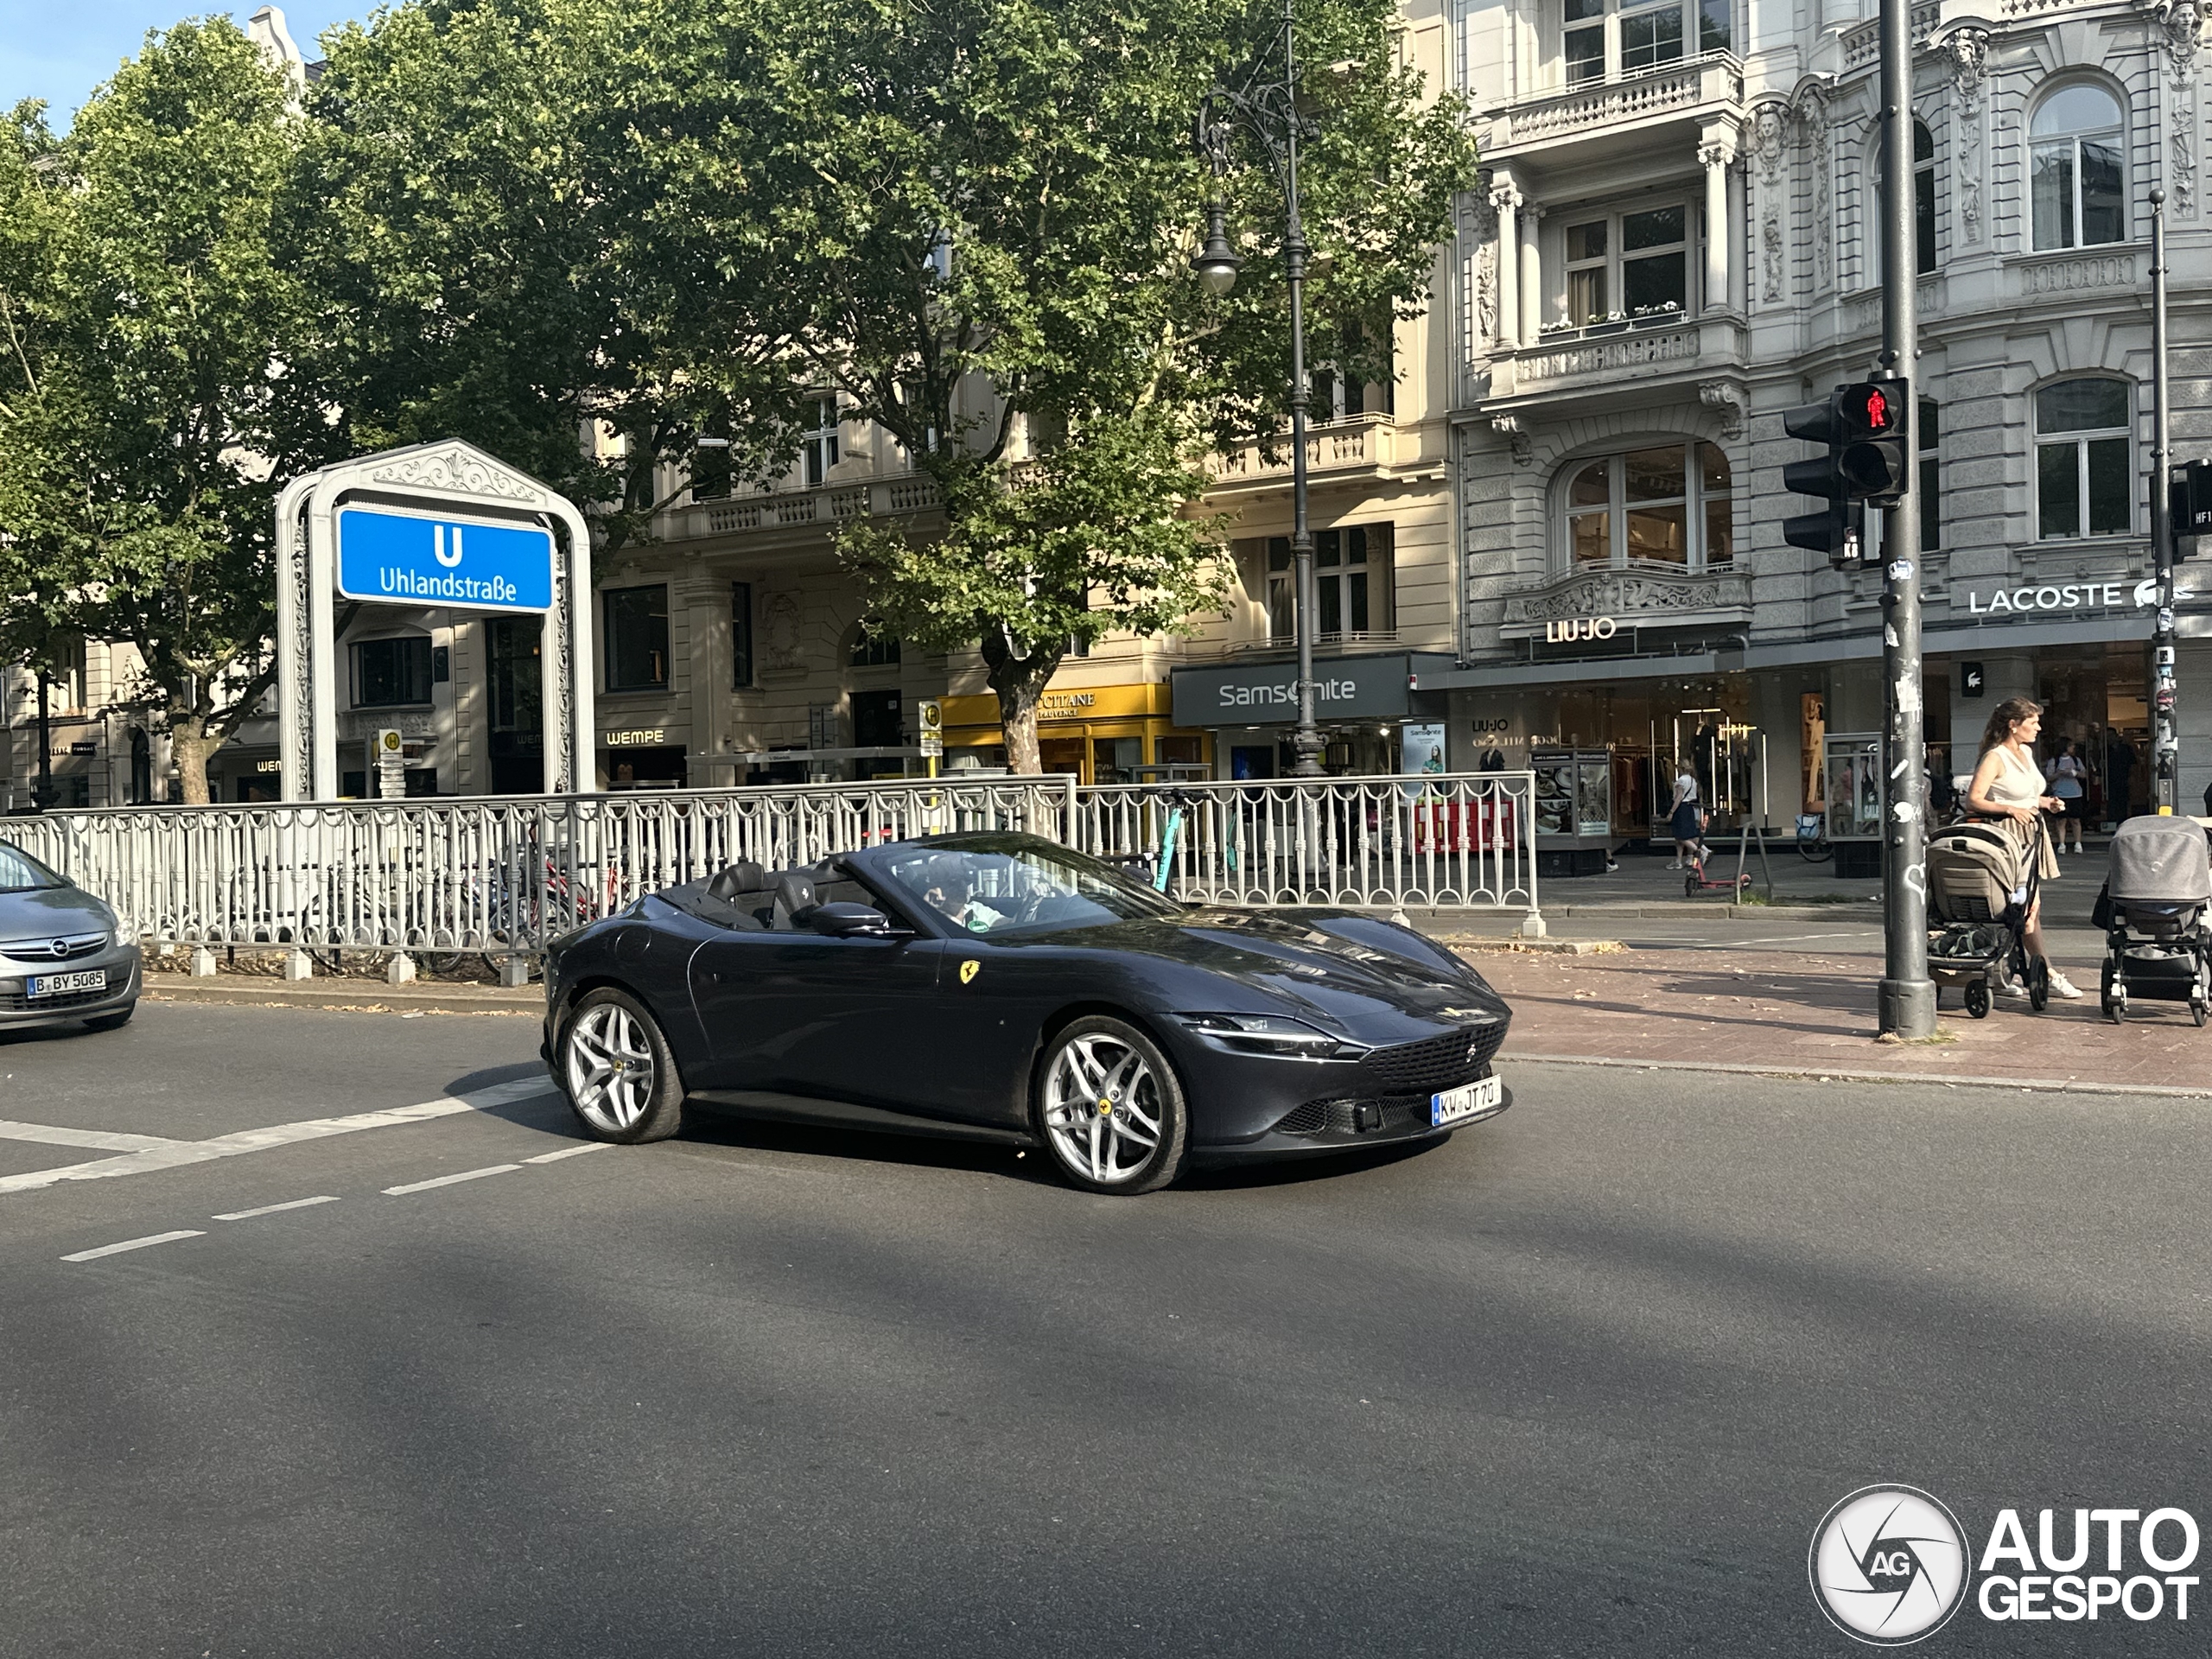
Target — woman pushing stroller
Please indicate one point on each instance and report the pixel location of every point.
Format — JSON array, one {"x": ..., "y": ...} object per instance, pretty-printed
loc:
[{"x": 2009, "y": 784}]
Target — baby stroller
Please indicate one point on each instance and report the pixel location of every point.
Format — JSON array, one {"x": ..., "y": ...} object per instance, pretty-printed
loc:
[
  {"x": 1981, "y": 883},
  {"x": 2158, "y": 886}
]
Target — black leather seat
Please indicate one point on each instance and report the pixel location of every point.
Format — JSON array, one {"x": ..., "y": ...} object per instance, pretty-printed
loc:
[
  {"x": 794, "y": 898},
  {"x": 735, "y": 879}
]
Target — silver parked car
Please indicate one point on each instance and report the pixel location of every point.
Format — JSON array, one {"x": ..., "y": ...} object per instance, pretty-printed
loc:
[{"x": 61, "y": 957}]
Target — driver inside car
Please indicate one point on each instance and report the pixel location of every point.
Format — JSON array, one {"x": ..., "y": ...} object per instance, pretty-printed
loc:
[{"x": 950, "y": 890}]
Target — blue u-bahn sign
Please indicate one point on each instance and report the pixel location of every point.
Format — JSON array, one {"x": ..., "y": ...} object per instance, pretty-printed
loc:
[{"x": 405, "y": 558}]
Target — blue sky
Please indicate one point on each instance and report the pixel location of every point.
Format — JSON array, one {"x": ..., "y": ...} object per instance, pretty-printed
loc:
[{"x": 59, "y": 51}]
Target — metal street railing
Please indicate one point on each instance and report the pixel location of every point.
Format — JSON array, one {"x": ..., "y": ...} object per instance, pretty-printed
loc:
[{"x": 505, "y": 875}]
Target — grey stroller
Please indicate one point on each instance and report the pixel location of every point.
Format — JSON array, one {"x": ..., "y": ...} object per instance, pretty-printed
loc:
[
  {"x": 2158, "y": 946},
  {"x": 1981, "y": 880}
]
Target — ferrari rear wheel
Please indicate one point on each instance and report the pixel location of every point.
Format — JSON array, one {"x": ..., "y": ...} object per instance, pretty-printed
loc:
[
  {"x": 1110, "y": 1109},
  {"x": 617, "y": 1069}
]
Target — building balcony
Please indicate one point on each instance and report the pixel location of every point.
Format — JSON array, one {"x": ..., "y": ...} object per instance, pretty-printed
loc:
[
  {"x": 1624, "y": 113},
  {"x": 1643, "y": 361},
  {"x": 1639, "y": 595},
  {"x": 1357, "y": 446},
  {"x": 796, "y": 509}
]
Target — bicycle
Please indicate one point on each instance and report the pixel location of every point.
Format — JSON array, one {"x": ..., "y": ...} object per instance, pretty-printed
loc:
[{"x": 1813, "y": 844}]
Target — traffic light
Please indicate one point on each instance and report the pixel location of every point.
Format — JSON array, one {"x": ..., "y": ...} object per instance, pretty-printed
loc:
[
  {"x": 1838, "y": 530},
  {"x": 1876, "y": 457},
  {"x": 2188, "y": 504}
]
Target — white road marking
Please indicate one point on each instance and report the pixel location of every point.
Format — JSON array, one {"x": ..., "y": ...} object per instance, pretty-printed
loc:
[
  {"x": 1794, "y": 938},
  {"x": 272, "y": 1209},
  {"x": 448, "y": 1180},
  {"x": 175, "y": 1153},
  {"x": 131, "y": 1244},
  {"x": 567, "y": 1152},
  {"x": 95, "y": 1140}
]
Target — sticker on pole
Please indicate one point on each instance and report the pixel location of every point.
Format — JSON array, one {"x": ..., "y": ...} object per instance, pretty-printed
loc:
[{"x": 405, "y": 558}]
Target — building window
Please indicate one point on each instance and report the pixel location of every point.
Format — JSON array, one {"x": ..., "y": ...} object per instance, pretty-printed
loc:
[
  {"x": 1667, "y": 505},
  {"x": 637, "y": 639},
  {"x": 1607, "y": 39},
  {"x": 391, "y": 673},
  {"x": 1630, "y": 265},
  {"x": 513, "y": 644},
  {"x": 1351, "y": 584},
  {"x": 1926, "y": 440},
  {"x": 876, "y": 646},
  {"x": 741, "y": 635},
  {"x": 2084, "y": 472},
  {"x": 818, "y": 443},
  {"x": 2077, "y": 178},
  {"x": 1924, "y": 201}
]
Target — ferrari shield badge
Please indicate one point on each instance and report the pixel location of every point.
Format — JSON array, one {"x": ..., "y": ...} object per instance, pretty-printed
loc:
[{"x": 968, "y": 969}]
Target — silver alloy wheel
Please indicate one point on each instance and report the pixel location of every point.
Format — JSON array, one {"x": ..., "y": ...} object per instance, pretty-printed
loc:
[
  {"x": 610, "y": 1072},
  {"x": 1103, "y": 1109}
]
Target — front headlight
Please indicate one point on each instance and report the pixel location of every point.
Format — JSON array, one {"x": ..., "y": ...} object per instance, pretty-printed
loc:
[{"x": 1270, "y": 1034}]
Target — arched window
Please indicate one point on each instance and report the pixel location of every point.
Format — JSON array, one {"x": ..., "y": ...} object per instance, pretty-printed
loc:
[
  {"x": 1668, "y": 504},
  {"x": 1924, "y": 201},
  {"x": 874, "y": 647},
  {"x": 2077, "y": 170},
  {"x": 2084, "y": 469}
]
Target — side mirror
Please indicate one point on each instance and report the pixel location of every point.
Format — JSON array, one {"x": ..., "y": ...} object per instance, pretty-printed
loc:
[{"x": 845, "y": 921}]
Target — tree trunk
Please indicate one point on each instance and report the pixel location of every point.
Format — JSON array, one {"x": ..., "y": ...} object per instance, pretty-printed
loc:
[
  {"x": 1019, "y": 683},
  {"x": 190, "y": 746}
]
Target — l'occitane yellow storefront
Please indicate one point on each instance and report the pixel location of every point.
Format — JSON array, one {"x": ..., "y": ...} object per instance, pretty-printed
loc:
[{"x": 1102, "y": 733}]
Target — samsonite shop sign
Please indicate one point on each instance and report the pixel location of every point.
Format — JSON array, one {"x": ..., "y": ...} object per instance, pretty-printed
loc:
[{"x": 1345, "y": 688}]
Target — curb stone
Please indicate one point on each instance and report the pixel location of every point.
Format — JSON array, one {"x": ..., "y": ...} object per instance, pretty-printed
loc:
[
  {"x": 360, "y": 995},
  {"x": 1844, "y": 1074}
]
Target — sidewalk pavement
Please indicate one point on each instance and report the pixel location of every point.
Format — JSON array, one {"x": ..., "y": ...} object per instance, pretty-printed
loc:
[{"x": 1795, "y": 1015}]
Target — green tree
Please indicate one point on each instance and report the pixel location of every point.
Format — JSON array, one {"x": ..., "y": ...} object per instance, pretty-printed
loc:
[
  {"x": 140, "y": 437},
  {"x": 978, "y": 218}
]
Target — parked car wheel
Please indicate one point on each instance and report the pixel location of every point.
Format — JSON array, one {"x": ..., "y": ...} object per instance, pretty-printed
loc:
[
  {"x": 617, "y": 1069},
  {"x": 1109, "y": 1106}
]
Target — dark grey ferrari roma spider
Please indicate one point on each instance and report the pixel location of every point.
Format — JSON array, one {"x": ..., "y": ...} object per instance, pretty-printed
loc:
[{"x": 1003, "y": 987}]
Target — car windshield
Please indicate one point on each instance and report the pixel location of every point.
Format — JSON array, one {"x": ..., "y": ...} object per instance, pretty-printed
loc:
[
  {"x": 1021, "y": 889},
  {"x": 21, "y": 872}
]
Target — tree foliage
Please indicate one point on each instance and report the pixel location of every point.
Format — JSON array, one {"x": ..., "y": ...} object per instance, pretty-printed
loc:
[{"x": 148, "y": 407}]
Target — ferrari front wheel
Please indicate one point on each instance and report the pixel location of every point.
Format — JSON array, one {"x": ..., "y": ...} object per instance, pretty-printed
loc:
[
  {"x": 618, "y": 1071},
  {"x": 1109, "y": 1107}
]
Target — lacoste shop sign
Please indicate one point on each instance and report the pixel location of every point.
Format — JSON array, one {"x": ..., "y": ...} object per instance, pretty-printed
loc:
[{"x": 2063, "y": 596}]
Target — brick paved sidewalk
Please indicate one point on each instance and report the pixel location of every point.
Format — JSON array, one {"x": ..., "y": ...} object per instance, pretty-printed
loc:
[{"x": 1810, "y": 1014}]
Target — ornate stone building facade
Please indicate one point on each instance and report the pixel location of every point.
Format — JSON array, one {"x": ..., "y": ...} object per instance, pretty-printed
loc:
[{"x": 1675, "y": 241}]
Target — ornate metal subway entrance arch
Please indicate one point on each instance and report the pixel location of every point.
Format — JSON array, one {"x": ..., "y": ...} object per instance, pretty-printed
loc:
[{"x": 438, "y": 524}]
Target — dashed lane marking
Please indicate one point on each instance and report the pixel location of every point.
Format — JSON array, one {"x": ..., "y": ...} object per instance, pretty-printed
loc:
[
  {"x": 272, "y": 1209},
  {"x": 554, "y": 1157},
  {"x": 448, "y": 1180},
  {"x": 133, "y": 1244},
  {"x": 53, "y": 1135},
  {"x": 173, "y": 1155}
]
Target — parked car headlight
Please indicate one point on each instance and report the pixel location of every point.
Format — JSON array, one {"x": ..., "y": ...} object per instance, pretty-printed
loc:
[{"x": 1271, "y": 1034}]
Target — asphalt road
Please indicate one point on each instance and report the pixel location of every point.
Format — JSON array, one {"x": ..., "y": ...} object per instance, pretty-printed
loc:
[{"x": 1580, "y": 1381}]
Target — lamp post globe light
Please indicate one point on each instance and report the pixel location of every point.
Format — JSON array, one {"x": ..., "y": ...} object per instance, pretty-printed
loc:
[{"x": 1260, "y": 99}]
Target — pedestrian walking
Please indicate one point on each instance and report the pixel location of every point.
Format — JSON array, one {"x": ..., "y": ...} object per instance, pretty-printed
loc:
[
  {"x": 2120, "y": 778},
  {"x": 2009, "y": 784},
  {"x": 2070, "y": 779},
  {"x": 1685, "y": 820}
]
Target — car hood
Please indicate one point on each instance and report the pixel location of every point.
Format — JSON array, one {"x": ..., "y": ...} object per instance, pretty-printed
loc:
[
  {"x": 1342, "y": 970},
  {"x": 47, "y": 912}
]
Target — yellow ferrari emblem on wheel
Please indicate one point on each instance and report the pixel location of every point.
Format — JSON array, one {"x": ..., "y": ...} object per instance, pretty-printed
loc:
[{"x": 968, "y": 969}]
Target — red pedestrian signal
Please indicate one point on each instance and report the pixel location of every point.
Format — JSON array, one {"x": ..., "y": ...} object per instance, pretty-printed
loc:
[{"x": 1874, "y": 453}]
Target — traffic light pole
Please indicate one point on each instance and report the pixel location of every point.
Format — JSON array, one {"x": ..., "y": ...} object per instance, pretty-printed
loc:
[
  {"x": 1907, "y": 995},
  {"x": 2165, "y": 729}
]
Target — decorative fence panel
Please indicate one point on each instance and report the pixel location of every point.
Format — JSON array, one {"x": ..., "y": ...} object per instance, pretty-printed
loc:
[{"x": 505, "y": 875}]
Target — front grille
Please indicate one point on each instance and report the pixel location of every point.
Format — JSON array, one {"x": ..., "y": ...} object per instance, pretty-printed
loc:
[
  {"x": 38, "y": 952},
  {"x": 1336, "y": 1117},
  {"x": 1435, "y": 1064},
  {"x": 16, "y": 1002}
]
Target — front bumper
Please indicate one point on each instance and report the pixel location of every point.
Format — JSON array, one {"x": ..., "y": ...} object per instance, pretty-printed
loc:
[
  {"x": 1403, "y": 1123},
  {"x": 19, "y": 1012}
]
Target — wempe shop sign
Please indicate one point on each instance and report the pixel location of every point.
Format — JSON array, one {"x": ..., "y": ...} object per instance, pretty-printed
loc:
[{"x": 1266, "y": 693}]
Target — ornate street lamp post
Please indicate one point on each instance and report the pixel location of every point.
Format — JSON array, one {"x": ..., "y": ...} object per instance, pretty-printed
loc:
[{"x": 1261, "y": 99}]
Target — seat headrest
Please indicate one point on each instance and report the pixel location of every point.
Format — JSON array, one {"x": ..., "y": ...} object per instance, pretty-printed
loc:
[
  {"x": 734, "y": 879},
  {"x": 794, "y": 891}
]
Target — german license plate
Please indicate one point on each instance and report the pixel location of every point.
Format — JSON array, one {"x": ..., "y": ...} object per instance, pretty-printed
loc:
[
  {"x": 63, "y": 984},
  {"x": 1473, "y": 1100}
]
